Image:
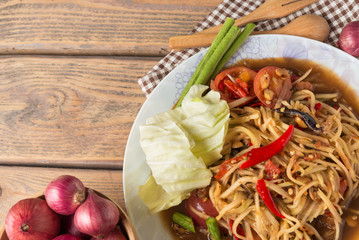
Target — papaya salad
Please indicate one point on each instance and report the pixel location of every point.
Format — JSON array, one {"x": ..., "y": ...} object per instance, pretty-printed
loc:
[{"x": 260, "y": 153}]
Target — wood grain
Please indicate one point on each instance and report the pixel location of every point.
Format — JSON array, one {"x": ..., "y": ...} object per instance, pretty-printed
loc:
[
  {"x": 210, "y": 3},
  {"x": 68, "y": 111},
  {"x": 92, "y": 27},
  {"x": 22, "y": 182}
]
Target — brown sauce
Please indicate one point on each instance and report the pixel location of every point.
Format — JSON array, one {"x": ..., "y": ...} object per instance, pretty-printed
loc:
[
  {"x": 327, "y": 82},
  {"x": 350, "y": 229},
  {"x": 166, "y": 217}
]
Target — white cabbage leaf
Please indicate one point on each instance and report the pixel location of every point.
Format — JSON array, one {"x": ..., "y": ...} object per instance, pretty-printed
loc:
[{"x": 179, "y": 145}]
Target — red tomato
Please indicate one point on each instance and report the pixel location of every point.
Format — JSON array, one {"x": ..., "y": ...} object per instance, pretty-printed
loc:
[
  {"x": 271, "y": 84},
  {"x": 230, "y": 91},
  {"x": 201, "y": 204}
]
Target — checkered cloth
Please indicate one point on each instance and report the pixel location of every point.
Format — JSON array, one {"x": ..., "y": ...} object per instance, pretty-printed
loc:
[{"x": 337, "y": 12}]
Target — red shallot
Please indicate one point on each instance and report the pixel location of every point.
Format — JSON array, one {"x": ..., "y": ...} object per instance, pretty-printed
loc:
[
  {"x": 68, "y": 226},
  {"x": 31, "y": 218},
  {"x": 67, "y": 237},
  {"x": 349, "y": 39},
  {"x": 65, "y": 194},
  {"x": 115, "y": 234},
  {"x": 97, "y": 216}
]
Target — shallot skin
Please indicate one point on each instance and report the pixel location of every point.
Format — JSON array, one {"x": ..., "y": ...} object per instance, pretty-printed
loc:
[
  {"x": 97, "y": 216},
  {"x": 115, "y": 234},
  {"x": 65, "y": 194},
  {"x": 349, "y": 39},
  {"x": 67, "y": 237},
  {"x": 30, "y": 219},
  {"x": 68, "y": 227}
]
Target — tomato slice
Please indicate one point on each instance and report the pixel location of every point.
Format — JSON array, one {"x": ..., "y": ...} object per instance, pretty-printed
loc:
[
  {"x": 343, "y": 186},
  {"x": 241, "y": 87},
  {"x": 272, "y": 84},
  {"x": 200, "y": 204}
]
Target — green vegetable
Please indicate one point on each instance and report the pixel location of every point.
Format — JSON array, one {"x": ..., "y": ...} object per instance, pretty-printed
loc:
[
  {"x": 184, "y": 221},
  {"x": 222, "y": 33},
  {"x": 227, "y": 41},
  {"x": 213, "y": 228},
  {"x": 216, "y": 42},
  {"x": 179, "y": 145},
  {"x": 156, "y": 198},
  {"x": 216, "y": 57},
  {"x": 239, "y": 41}
]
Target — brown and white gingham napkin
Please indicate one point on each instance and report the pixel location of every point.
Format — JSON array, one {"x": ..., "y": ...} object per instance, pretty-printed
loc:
[{"x": 337, "y": 12}]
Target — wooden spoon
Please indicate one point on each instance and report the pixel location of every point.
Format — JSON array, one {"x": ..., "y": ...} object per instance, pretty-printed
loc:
[
  {"x": 270, "y": 9},
  {"x": 309, "y": 26}
]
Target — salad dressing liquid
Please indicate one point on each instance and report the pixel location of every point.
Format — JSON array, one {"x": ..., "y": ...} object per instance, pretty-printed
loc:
[
  {"x": 166, "y": 217},
  {"x": 350, "y": 229},
  {"x": 325, "y": 81}
]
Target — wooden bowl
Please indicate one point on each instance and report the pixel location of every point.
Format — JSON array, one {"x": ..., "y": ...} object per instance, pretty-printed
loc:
[{"x": 124, "y": 222}]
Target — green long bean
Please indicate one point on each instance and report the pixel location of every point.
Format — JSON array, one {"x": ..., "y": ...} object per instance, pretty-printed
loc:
[
  {"x": 184, "y": 221},
  {"x": 216, "y": 42},
  {"x": 239, "y": 41},
  {"x": 216, "y": 57},
  {"x": 227, "y": 41},
  {"x": 213, "y": 228}
]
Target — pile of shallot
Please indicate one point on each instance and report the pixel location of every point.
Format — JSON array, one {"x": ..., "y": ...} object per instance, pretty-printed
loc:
[{"x": 69, "y": 212}]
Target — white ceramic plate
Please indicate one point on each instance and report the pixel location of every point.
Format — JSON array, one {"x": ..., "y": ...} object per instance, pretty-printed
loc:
[{"x": 166, "y": 93}]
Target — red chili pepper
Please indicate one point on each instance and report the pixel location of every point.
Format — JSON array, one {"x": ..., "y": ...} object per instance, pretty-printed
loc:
[
  {"x": 258, "y": 155},
  {"x": 239, "y": 229},
  {"x": 243, "y": 85},
  {"x": 267, "y": 198},
  {"x": 256, "y": 104},
  {"x": 223, "y": 169},
  {"x": 271, "y": 170},
  {"x": 318, "y": 106},
  {"x": 234, "y": 88},
  {"x": 220, "y": 86},
  {"x": 225, "y": 166}
]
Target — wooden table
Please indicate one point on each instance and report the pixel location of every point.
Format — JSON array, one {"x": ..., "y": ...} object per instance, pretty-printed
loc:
[{"x": 68, "y": 86}]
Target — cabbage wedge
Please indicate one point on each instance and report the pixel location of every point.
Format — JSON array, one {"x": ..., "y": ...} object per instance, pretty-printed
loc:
[{"x": 179, "y": 145}]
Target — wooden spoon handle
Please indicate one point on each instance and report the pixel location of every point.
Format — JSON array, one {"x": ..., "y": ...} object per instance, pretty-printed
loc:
[
  {"x": 309, "y": 26},
  {"x": 190, "y": 41}
]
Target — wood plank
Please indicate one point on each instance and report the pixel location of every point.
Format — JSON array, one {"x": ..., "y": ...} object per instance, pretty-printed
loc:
[
  {"x": 209, "y": 3},
  {"x": 91, "y": 27},
  {"x": 68, "y": 111},
  {"x": 22, "y": 182}
]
